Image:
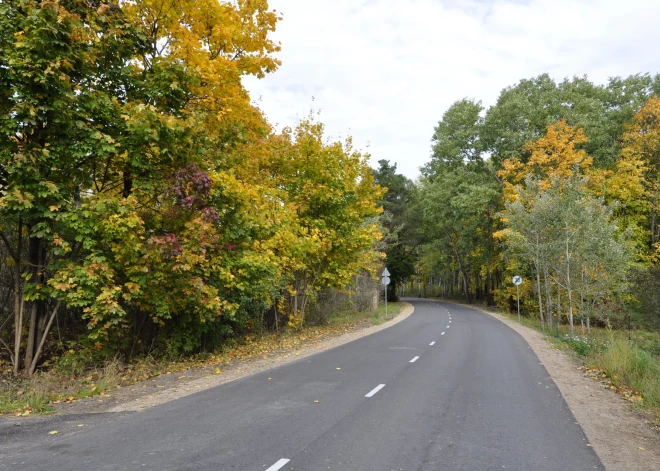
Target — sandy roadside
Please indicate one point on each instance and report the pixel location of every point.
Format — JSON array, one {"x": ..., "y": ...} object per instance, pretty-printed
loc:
[{"x": 621, "y": 437}]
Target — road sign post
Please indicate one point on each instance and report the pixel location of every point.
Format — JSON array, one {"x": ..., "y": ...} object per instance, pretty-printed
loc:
[
  {"x": 385, "y": 280},
  {"x": 517, "y": 280}
]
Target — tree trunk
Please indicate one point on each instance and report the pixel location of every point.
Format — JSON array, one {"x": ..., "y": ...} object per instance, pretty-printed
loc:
[
  {"x": 548, "y": 299},
  {"x": 538, "y": 289},
  {"x": 18, "y": 300},
  {"x": 558, "y": 307},
  {"x": 37, "y": 308},
  {"x": 128, "y": 182},
  {"x": 46, "y": 329}
]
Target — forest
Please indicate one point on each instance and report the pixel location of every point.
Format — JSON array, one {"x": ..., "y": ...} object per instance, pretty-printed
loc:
[
  {"x": 149, "y": 208},
  {"x": 557, "y": 183}
]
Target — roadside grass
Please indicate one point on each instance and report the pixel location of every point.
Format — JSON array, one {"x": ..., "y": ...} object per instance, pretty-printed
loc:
[
  {"x": 351, "y": 317},
  {"x": 72, "y": 378},
  {"x": 629, "y": 367}
]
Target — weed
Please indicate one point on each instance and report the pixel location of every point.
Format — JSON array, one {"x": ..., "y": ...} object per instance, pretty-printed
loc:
[{"x": 627, "y": 364}]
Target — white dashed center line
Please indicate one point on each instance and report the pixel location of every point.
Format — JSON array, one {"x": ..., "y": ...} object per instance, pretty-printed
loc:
[
  {"x": 432, "y": 343},
  {"x": 442, "y": 333},
  {"x": 414, "y": 360},
  {"x": 278, "y": 465},
  {"x": 448, "y": 326},
  {"x": 373, "y": 391}
]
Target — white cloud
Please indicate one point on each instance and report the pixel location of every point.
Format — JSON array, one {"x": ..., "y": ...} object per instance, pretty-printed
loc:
[{"x": 385, "y": 71}]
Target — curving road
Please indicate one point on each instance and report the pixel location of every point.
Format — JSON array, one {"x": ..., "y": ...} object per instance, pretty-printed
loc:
[{"x": 449, "y": 388}]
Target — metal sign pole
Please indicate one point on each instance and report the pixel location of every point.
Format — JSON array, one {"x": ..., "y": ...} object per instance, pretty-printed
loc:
[
  {"x": 385, "y": 280},
  {"x": 517, "y": 280}
]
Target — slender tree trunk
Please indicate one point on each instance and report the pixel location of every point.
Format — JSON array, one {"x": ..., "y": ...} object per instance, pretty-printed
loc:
[
  {"x": 548, "y": 299},
  {"x": 29, "y": 350},
  {"x": 37, "y": 308},
  {"x": 558, "y": 307},
  {"x": 569, "y": 291},
  {"x": 538, "y": 290},
  {"x": 37, "y": 354},
  {"x": 18, "y": 300}
]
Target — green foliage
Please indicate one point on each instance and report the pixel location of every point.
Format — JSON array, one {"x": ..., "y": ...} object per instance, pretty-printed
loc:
[
  {"x": 401, "y": 224},
  {"x": 457, "y": 140},
  {"x": 145, "y": 196},
  {"x": 523, "y": 111},
  {"x": 459, "y": 206}
]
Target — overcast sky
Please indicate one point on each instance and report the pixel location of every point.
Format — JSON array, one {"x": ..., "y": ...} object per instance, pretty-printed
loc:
[{"x": 384, "y": 71}]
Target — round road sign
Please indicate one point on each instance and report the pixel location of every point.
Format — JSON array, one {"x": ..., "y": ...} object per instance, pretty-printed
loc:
[{"x": 517, "y": 280}]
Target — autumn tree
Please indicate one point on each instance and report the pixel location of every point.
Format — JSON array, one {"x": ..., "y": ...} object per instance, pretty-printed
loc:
[
  {"x": 65, "y": 70},
  {"x": 330, "y": 186},
  {"x": 523, "y": 111},
  {"x": 638, "y": 177}
]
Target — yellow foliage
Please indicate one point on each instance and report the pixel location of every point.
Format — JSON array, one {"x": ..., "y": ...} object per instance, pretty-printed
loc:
[
  {"x": 636, "y": 180},
  {"x": 554, "y": 156}
]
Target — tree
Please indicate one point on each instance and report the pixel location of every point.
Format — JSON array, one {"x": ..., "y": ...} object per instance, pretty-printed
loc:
[
  {"x": 458, "y": 207},
  {"x": 61, "y": 113},
  {"x": 400, "y": 224},
  {"x": 523, "y": 112},
  {"x": 457, "y": 139},
  {"x": 637, "y": 181},
  {"x": 331, "y": 188}
]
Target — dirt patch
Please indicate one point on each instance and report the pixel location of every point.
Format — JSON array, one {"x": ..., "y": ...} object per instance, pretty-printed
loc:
[
  {"x": 622, "y": 438},
  {"x": 168, "y": 387}
]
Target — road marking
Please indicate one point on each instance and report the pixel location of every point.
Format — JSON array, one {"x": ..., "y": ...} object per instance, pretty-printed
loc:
[
  {"x": 414, "y": 360},
  {"x": 432, "y": 343},
  {"x": 278, "y": 465},
  {"x": 448, "y": 326},
  {"x": 442, "y": 333},
  {"x": 373, "y": 391},
  {"x": 450, "y": 321}
]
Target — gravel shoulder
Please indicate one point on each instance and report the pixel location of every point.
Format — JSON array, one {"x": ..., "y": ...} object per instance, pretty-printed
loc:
[{"x": 622, "y": 438}]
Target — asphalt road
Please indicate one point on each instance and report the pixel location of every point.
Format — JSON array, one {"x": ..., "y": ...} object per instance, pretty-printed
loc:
[{"x": 449, "y": 388}]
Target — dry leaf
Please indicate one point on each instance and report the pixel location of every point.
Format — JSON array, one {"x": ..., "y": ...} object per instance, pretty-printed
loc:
[{"x": 52, "y": 432}]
